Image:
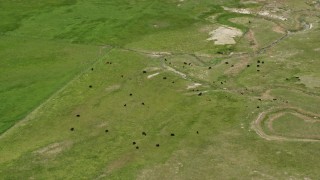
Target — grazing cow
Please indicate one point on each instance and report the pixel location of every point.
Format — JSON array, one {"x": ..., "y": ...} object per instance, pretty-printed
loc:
[
  {"x": 172, "y": 82},
  {"x": 90, "y": 86},
  {"x": 164, "y": 77},
  {"x": 258, "y": 107},
  {"x": 137, "y": 147},
  {"x": 130, "y": 94},
  {"x": 197, "y": 132},
  {"x": 209, "y": 67},
  {"x": 200, "y": 94},
  {"x": 125, "y": 105},
  {"x": 91, "y": 69},
  {"x": 258, "y": 61},
  {"x": 157, "y": 145},
  {"x": 248, "y": 65},
  {"x": 258, "y": 70},
  {"x": 172, "y": 134},
  {"x": 227, "y": 62},
  {"x": 144, "y": 72},
  {"x": 144, "y": 133},
  {"x": 71, "y": 129},
  {"x": 106, "y": 130},
  {"x": 134, "y": 143},
  {"x": 142, "y": 103},
  {"x": 258, "y": 65},
  {"x": 78, "y": 115}
]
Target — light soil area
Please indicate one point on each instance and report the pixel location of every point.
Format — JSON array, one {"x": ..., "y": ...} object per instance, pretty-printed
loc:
[
  {"x": 224, "y": 35},
  {"x": 113, "y": 88},
  {"x": 184, "y": 76},
  {"x": 54, "y": 149},
  {"x": 263, "y": 13},
  {"x": 279, "y": 29},
  {"x": 252, "y": 39},
  {"x": 310, "y": 81},
  {"x": 194, "y": 85},
  {"x": 153, "y": 75}
]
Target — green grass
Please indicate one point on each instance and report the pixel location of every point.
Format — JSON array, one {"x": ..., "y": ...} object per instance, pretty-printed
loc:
[
  {"x": 47, "y": 50},
  {"x": 13, "y": 12},
  {"x": 31, "y": 70},
  {"x": 225, "y": 19},
  {"x": 290, "y": 125},
  {"x": 299, "y": 99}
]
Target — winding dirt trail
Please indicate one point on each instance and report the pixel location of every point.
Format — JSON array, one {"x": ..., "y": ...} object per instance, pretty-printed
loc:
[{"x": 256, "y": 125}]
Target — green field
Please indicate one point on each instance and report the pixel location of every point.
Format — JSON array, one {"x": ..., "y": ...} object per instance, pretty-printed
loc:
[
  {"x": 134, "y": 90},
  {"x": 291, "y": 125}
]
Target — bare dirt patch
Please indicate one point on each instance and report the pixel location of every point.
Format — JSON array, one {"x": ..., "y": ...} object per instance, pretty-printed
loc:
[
  {"x": 153, "y": 75},
  {"x": 54, "y": 149},
  {"x": 184, "y": 76},
  {"x": 263, "y": 13},
  {"x": 252, "y": 39},
  {"x": 113, "y": 88},
  {"x": 194, "y": 85},
  {"x": 310, "y": 81},
  {"x": 159, "y": 54},
  {"x": 224, "y": 35},
  {"x": 279, "y": 29}
]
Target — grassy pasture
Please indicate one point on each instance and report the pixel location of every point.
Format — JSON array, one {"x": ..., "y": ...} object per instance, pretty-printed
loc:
[
  {"x": 293, "y": 126},
  {"x": 32, "y": 70},
  {"x": 46, "y": 30},
  {"x": 48, "y": 49}
]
